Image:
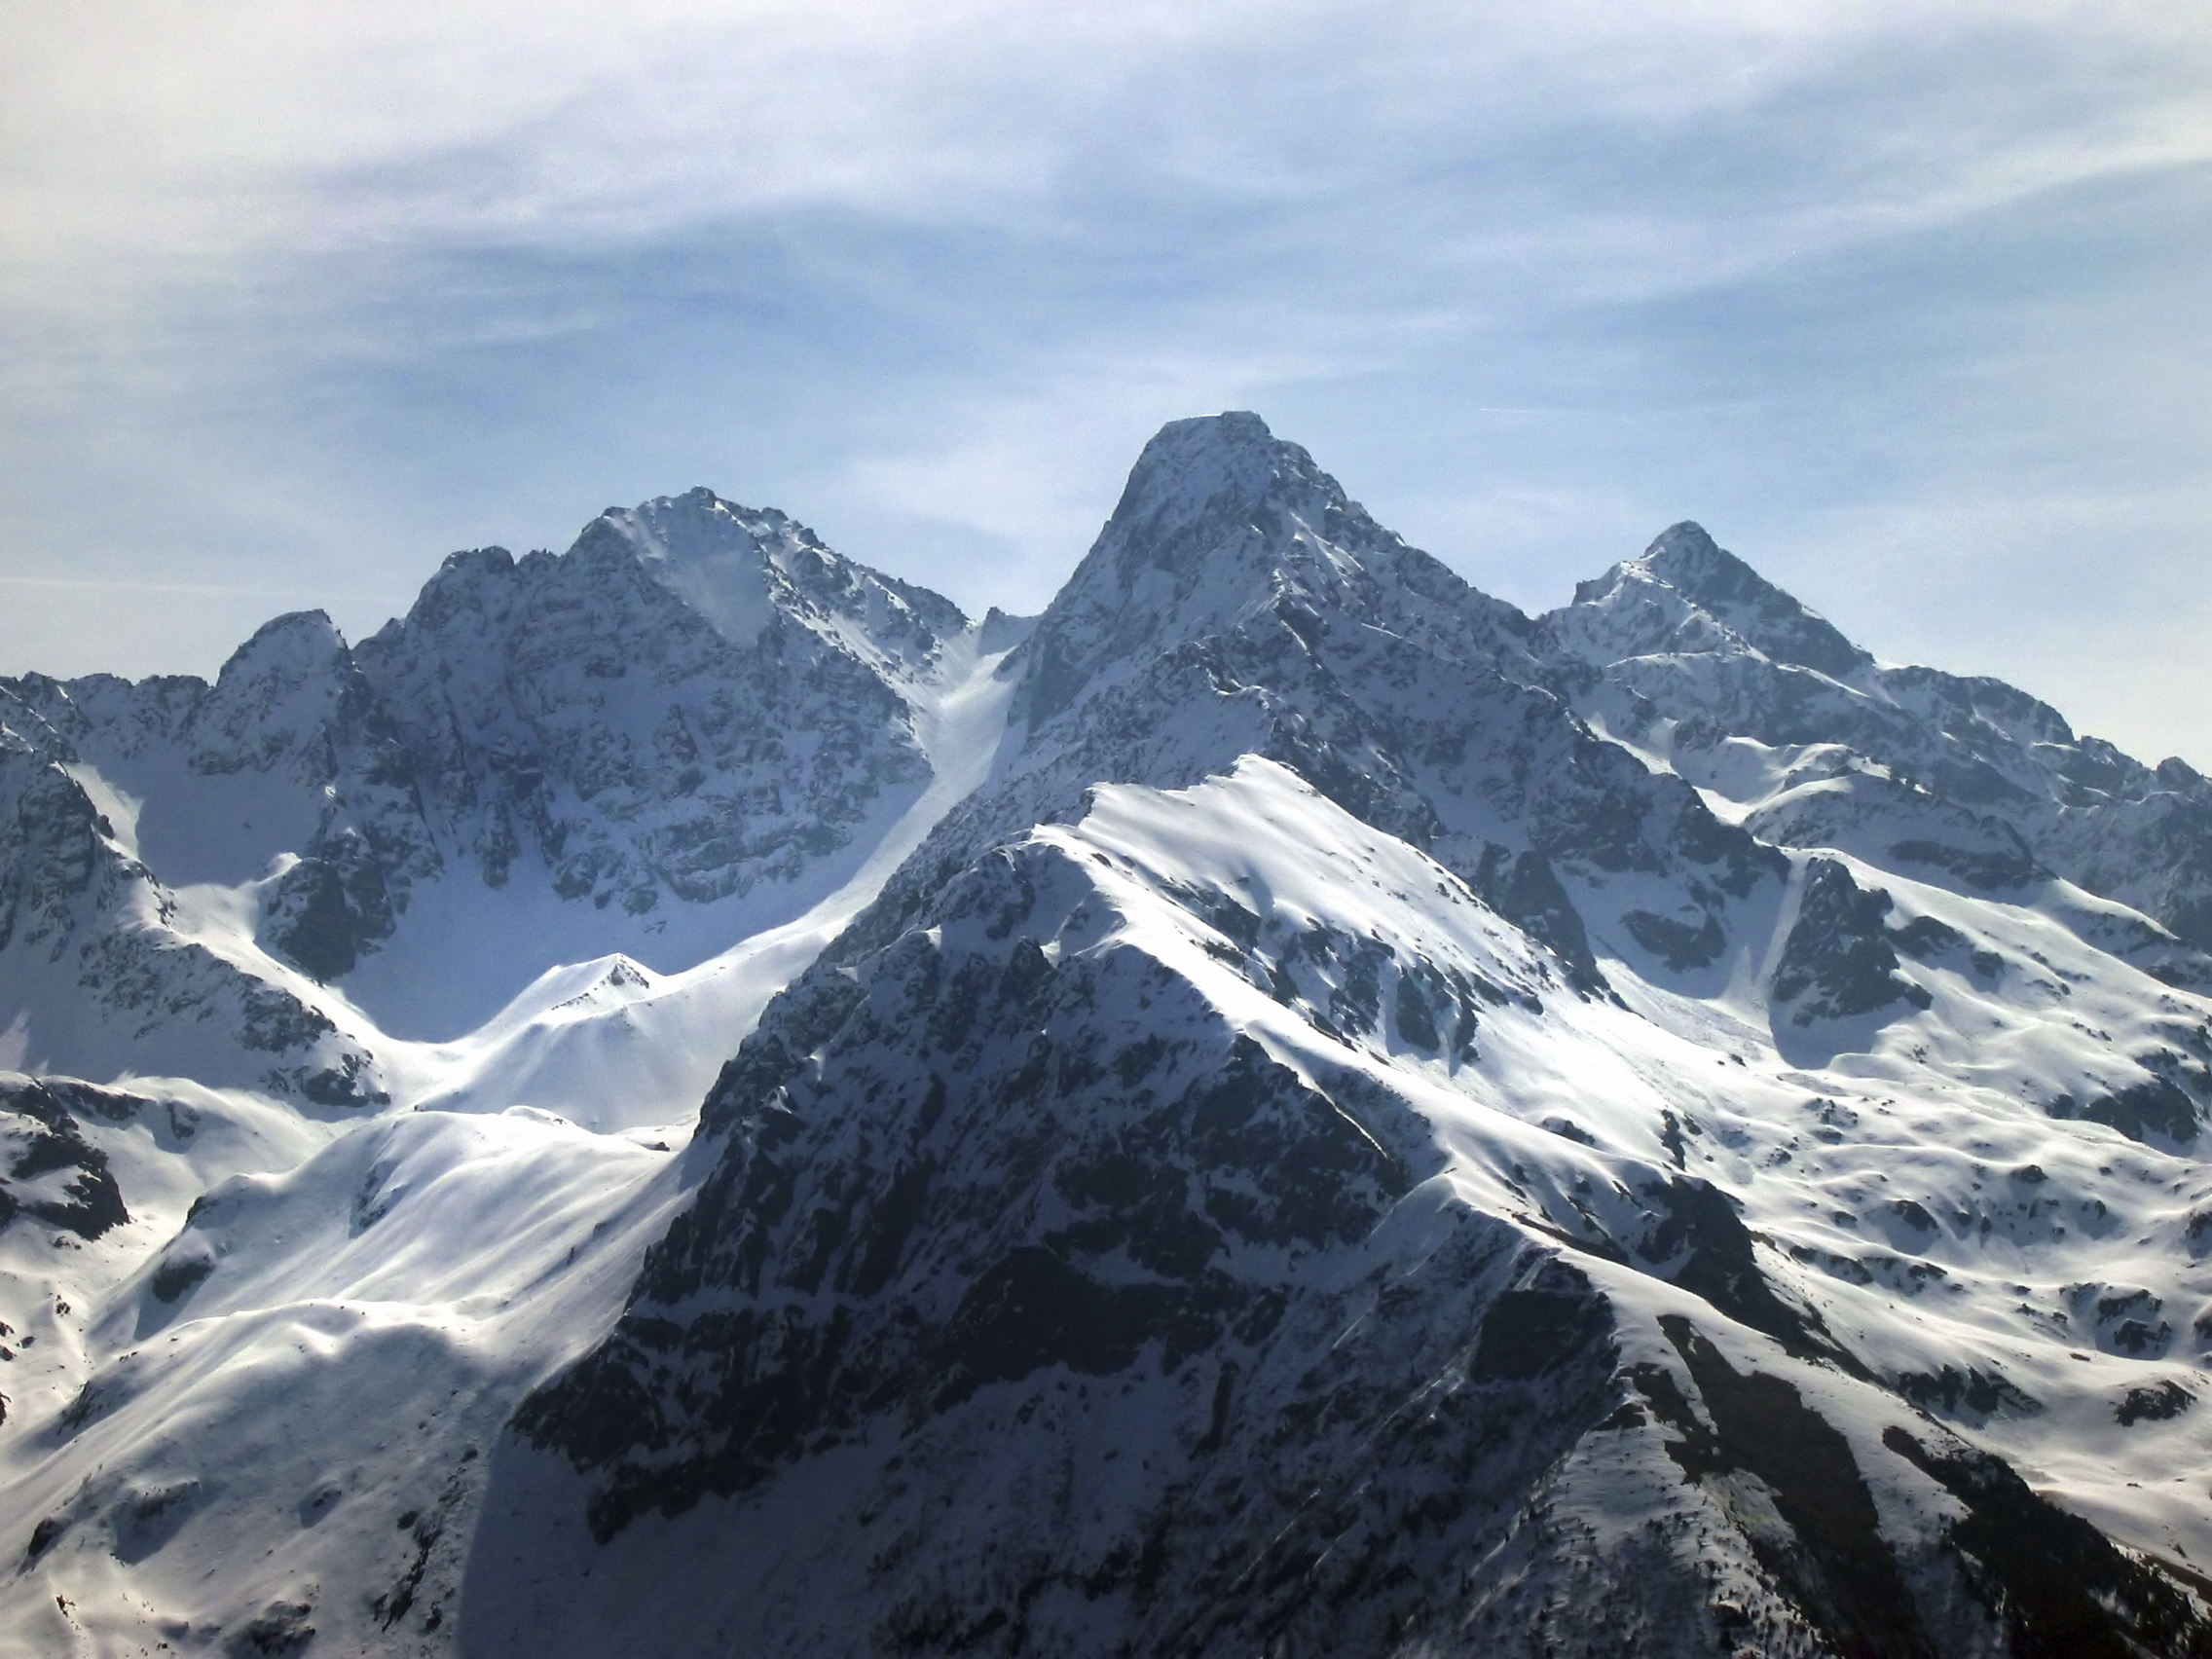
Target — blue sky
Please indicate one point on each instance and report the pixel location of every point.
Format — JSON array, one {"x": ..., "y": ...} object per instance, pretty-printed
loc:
[{"x": 1907, "y": 304}]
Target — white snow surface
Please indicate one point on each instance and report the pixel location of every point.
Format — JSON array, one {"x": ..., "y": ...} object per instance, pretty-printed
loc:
[
  {"x": 377, "y": 1294},
  {"x": 368, "y": 1317},
  {"x": 2039, "y": 1219},
  {"x": 2030, "y": 1225},
  {"x": 272, "y": 1393}
]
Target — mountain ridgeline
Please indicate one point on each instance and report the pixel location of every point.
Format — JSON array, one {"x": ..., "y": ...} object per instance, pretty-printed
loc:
[{"x": 1282, "y": 1106}]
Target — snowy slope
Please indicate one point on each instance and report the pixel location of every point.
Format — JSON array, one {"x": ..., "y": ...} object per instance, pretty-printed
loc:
[
  {"x": 328, "y": 1348},
  {"x": 1691, "y": 657},
  {"x": 1287, "y": 1108},
  {"x": 1217, "y": 1227},
  {"x": 873, "y": 706}
]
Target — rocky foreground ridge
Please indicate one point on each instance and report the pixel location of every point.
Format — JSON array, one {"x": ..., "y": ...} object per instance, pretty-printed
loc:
[{"x": 1282, "y": 1106}]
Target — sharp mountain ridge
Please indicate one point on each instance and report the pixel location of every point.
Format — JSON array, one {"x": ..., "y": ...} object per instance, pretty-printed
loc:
[{"x": 685, "y": 1096}]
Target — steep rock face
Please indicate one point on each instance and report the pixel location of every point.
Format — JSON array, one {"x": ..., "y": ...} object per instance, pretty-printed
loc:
[
  {"x": 94, "y": 963},
  {"x": 1238, "y": 603},
  {"x": 1165, "y": 1245},
  {"x": 1689, "y": 654},
  {"x": 697, "y": 703},
  {"x": 1840, "y": 959},
  {"x": 651, "y": 725},
  {"x": 1011, "y": 1204},
  {"x": 1049, "y": 1229}
]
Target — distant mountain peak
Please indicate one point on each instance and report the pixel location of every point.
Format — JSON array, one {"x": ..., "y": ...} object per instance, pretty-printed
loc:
[
  {"x": 1208, "y": 458},
  {"x": 1686, "y": 551},
  {"x": 296, "y": 636},
  {"x": 1686, "y": 588},
  {"x": 741, "y": 566},
  {"x": 1220, "y": 477},
  {"x": 713, "y": 554}
]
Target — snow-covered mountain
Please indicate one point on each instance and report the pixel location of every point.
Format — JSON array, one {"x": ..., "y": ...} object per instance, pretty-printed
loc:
[
  {"x": 1285, "y": 1107},
  {"x": 1688, "y": 655},
  {"x": 693, "y": 727}
]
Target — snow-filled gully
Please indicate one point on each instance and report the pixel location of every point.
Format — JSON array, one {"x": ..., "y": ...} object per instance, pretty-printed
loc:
[{"x": 612, "y": 1045}]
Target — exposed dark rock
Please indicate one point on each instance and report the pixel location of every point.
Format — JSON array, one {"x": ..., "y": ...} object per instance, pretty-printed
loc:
[
  {"x": 1836, "y": 1566},
  {"x": 179, "y": 1276},
  {"x": 2154, "y": 1109},
  {"x": 49, "y": 1140},
  {"x": 1701, "y": 1244},
  {"x": 44, "y": 1536},
  {"x": 1676, "y": 942},
  {"x": 2061, "y": 1588},
  {"x": 282, "y": 1627},
  {"x": 322, "y": 920},
  {"x": 1949, "y": 1390},
  {"x": 2153, "y": 1404},
  {"x": 1556, "y": 1319},
  {"x": 998, "y": 1215},
  {"x": 1990, "y": 871},
  {"x": 1525, "y": 890},
  {"x": 1924, "y": 938},
  {"x": 1839, "y": 959}
]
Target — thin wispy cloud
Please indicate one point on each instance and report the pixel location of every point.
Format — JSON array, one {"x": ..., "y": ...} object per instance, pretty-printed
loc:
[{"x": 307, "y": 296}]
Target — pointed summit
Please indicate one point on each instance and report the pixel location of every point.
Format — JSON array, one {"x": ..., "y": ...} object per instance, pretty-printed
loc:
[
  {"x": 1685, "y": 554},
  {"x": 1223, "y": 490},
  {"x": 1692, "y": 563},
  {"x": 741, "y": 567},
  {"x": 1688, "y": 593},
  {"x": 276, "y": 691},
  {"x": 1220, "y": 523},
  {"x": 1216, "y": 463}
]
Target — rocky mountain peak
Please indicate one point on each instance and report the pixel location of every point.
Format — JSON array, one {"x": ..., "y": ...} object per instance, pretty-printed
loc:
[
  {"x": 1688, "y": 593},
  {"x": 713, "y": 554},
  {"x": 741, "y": 566},
  {"x": 285, "y": 655},
  {"x": 1223, "y": 491},
  {"x": 1686, "y": 554},
  {"x": 1690, "y": 561},
  {"x": 470, "y": 580},
  {"x": 1223, "y": 524},
  {"x": 276, "y": 691},
  {"x": 304, "y": 637},
  {"x": 1208, "y": 463}
]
